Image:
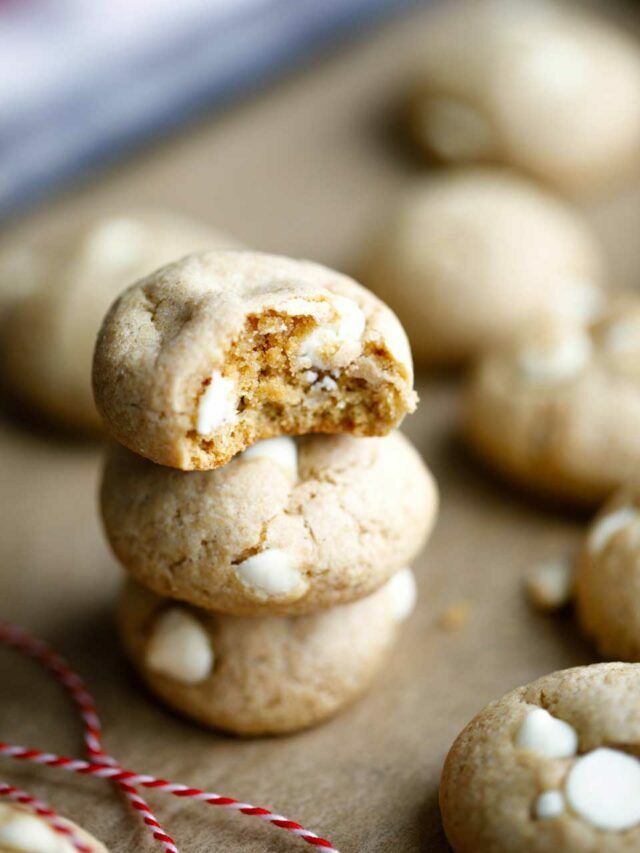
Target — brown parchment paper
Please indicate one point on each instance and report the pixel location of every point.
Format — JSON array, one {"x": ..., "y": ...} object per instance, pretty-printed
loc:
[{"x": 301, "y": 169}]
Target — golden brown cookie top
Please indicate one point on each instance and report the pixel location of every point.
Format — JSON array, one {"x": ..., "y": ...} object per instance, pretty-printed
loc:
[{"x": 204, "y": 357}]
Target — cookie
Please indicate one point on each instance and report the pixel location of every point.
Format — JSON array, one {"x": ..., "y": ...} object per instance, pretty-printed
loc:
[
  {"x": 209, "y": 355},
  {"x": 285, "y": 527},
  {"x": 549, "y": 768},
  {"x": 469, "y": 258},
  {"x": 559, "y": 412},
  {"x": 49, "y": 332},
  {"x": 266, "y": 675},
  {"x": 21, "y": 830},
  {"x": 607, "y": 578},
  {"x": 540, "y": 86}
]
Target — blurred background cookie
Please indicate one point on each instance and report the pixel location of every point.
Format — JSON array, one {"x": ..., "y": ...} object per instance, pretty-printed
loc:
[
  {"x": 266, "y": 675},
  {"x": 536, "y": 85},
  {"x": 547, "y": 767},
  {"x": 559, "y": 411},
  {"x": 62, "y": 293},
  {"x": 470, "y": 257},
  {"x": 285, "y": 527}
]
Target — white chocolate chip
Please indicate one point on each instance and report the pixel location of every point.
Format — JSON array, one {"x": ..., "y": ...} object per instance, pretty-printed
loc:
[
  {"x": 603, "y": 787},
  {"x": 179, "y": 647},
  {"x": 335, "y": 342},
  {"x": 559, "y": 66},
  {"x": 281, "y": 450},
  {"x": 564, "y": 360},
  {"x": 549, "y": 804},
  {"x": 607, "y": 527},
  {"x": 578, "y": 300},
  {"x": 404, "y": 594},
  {"x": 546, "y": 735},
  {"x": 117, "y": 244},
  {"x": 549, "y": 585},
  {"x": 455, "y": 131},
  {"x": 218, "y": 404},
  {"x": 270, "y": 571},
  {"x": 622, "y": 337},
  {"x": 326, "y": 384},
  {"x": 310, "y": 376},
  {"x": 27, "y": 833}
]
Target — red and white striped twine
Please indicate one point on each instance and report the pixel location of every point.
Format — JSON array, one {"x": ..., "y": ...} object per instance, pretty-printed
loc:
[{"x": 104, "y": 766}]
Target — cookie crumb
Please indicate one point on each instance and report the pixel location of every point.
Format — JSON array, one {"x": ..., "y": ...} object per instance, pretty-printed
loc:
[
  {"x": 549, "y": 585},
  {"x": 455, "y": 617}
]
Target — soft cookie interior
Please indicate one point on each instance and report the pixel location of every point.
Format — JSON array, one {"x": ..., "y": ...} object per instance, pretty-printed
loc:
[{"x": 295, "y": 374}]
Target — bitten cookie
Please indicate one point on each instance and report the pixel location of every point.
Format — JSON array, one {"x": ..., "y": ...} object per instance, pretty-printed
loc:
[
  {"x": 540, "y": 86},
  {"x": 607, "y": 578},
  {"x": 49, "y": 332},
  {"x": 23, "y": 832},
  {"x": 469, "y": 258},
  {"x": 205, "y": 357},
  {"x": 286, "y": 527},
  {"x": 266, "y": 675},
  {"x": 549, "y": 768},
  {"x": 560, "y": 411}
]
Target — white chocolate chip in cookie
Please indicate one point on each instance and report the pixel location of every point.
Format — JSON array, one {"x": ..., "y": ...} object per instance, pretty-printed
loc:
[
  {"x": 404, "y": 593},
  {"x": 327, "y": 383},
  {"x": 603, "y": 787},
  {"x": 579, "y": 300},
  {"x": 549, "y": 585},
  {"x": 282, "y": 450},
  {"x": 546, "y": 735},
  {"x": 179, "y": 647},
  {"x": 271, "y": 571},
  {"x": 25, "y": 832},
  {"x": 455, "y": 130},
  {"x": 607, "y": 527},
  {"x": 335, "y": 343},
  {"x": 559, "y": 67},
  {"x": 622, "y": 337},
  {"x": 218, "y": 404},
  {"x": 549, "y": 804},
  {"x": 563, "y": 360}
]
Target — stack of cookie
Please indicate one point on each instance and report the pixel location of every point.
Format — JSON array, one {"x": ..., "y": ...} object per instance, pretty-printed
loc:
[{"x": 268, "y": 573}]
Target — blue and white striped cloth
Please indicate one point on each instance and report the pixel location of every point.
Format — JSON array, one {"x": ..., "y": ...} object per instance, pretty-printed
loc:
[{"x": 81, "y": 80}]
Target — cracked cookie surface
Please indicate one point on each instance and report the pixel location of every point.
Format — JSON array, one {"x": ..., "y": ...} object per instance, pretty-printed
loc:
[
  {"x": 559, "y": 412},
  {"x": 209, "y": 355},
  {"x": 266, "y": 675},
  {"x": 289, "y": 526},
  {"x": 50, "y": 329},
  {"x": 550, "y": 766}
]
